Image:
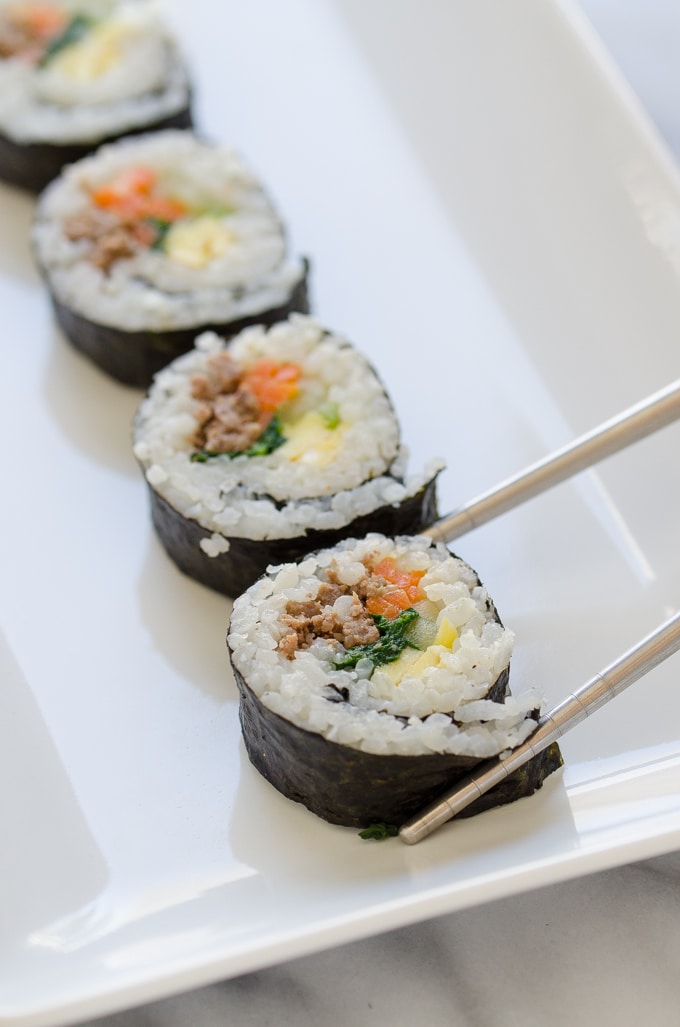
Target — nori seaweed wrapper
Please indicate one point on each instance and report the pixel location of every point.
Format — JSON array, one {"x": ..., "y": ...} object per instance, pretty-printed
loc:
[
  {"x": 352, "y": 788},
  {"x": 232, "y": 572},
  {"x": 32, "y": 166},
  {"x": 133, "y": 358}
]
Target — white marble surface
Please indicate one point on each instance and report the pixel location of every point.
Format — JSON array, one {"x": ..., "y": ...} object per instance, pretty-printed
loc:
[{"x": 604, "y": 949}]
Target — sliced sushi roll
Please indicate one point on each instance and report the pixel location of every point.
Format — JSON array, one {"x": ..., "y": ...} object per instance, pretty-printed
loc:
[
  {"x": 372, "y": 676},
  {"x": 77, "y": 73},
  {"x": 153, "y": 239},
  {"x": 280, "y": 442}
]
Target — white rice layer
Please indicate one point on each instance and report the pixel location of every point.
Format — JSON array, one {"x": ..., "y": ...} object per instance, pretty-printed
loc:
[
  {"x": 151, "y": 290},
  {"x": 412, "y": 717},
  {"x": 58, "y": 103},
  {"x": 283, "y": 494}
]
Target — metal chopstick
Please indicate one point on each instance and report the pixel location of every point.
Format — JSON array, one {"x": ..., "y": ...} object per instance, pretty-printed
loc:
[
  {"x": 646, "y": 417},
  {"x": 639, "y": 660}
]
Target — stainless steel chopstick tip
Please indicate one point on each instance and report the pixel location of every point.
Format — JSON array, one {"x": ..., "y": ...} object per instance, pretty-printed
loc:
[
  {"x": 631, "y": 425},
  {"x": 610, "y": 682}
]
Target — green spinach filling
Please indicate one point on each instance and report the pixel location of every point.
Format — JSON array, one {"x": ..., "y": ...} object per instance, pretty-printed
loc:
[
  {"x": 73, "y": 33},
  {"x": 388, "y": 647}
]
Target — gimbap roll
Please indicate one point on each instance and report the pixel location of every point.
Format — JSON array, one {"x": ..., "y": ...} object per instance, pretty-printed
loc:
[
  {"x": 372, "y": 676},
  {"x": 154, "y": 238},
  {"x": 77, "y": 73},
  {"x": 282, "y": 441}
]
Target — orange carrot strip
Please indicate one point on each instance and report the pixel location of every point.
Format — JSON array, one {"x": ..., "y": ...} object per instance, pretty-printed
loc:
[
  {"x": 408, "y": 580},
  {"x": 41, "y": 19},
  {"x": 130, "y": 182},
  {"x": 165, "y": 208},
  {"x": 405, "y": 593},
  {"x": 272, "y": 384},
  {"x": 380, "y": 608},
  {"x": 390, "y": 604}
]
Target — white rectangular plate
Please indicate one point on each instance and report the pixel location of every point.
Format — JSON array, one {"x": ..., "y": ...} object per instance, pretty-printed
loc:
[{"x": 491, "y": 220}]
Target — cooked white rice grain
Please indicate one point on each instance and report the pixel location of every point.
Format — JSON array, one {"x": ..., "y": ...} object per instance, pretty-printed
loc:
[
  {"x": 123, "y": 75},
  {"x": 275, "y": 496},
  {"x": 152, "y": 290},
  {"x": 443, "y": 710}
]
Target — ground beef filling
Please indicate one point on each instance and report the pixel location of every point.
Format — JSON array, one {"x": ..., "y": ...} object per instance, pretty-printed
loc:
[
  {"x": 16, "y": 40},
  {"x": 111, "y": 236},
  {"x": 111, "y": 239},
  {"x": 229, "y": 416},
  {"x": 348, "y": 624}
]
